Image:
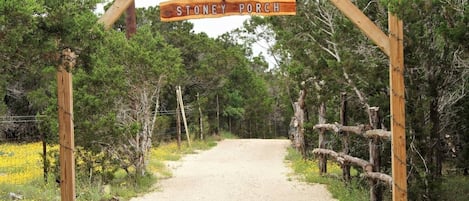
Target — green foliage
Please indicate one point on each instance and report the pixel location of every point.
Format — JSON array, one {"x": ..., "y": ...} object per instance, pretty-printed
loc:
[
  {"x": 228, "y": 135},
  {"x": 455, "y": 188},
  {"x": 434, "y": 42},
  {"x": 309, "y": 171}
]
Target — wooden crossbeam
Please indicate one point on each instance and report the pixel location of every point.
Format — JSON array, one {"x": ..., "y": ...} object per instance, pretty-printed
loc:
[
  {"x": 369, "y": 28},
  {"x": 114, "y": 12}
]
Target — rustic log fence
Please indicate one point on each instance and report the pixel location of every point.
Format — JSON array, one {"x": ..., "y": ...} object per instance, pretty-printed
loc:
[{"x": 375, "y": 136}]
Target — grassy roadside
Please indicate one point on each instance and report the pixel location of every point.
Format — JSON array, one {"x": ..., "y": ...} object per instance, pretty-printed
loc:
[
  {"x": 308, "y": 171},
  {"x": 122, "y": 186},
  {"x": 157, "y": 168},
  {"x": 167, "y": 152},
  {"x": 452, "y": 188}
]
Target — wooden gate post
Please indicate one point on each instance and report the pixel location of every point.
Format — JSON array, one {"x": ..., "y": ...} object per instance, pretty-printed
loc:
[
  {"x": 393, "y": 46},
  {"x": 396, "y": 79},
  {"x": 66, "y": 133}
]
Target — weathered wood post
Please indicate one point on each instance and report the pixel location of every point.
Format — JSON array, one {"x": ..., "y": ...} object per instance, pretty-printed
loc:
[
  {"x": 322, "y": 143},
  {"x": 181, "y": 105},
  {"x": 66, "y": 132},
  {"x": 374, "y": 144},
  {"x": 178, "y": 120},
  {"x": 345, "y": 136}
]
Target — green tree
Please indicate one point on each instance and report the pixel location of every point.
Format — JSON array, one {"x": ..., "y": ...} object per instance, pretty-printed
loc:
[{"x": 437, "y": 77}]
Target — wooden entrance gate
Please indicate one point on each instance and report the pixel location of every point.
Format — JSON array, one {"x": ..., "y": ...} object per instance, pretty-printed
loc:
[{"x": 391, "y": 44}]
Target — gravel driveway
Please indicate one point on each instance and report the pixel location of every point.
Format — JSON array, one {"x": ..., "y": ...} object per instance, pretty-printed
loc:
[{"x": 236, "y": 170}]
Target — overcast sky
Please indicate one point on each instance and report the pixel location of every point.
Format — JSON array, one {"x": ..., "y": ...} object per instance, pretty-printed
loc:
[{"x": 213, "y": 27}]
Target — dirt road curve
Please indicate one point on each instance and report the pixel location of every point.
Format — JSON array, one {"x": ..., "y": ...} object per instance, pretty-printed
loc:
[{"x": 237, "y": 170}]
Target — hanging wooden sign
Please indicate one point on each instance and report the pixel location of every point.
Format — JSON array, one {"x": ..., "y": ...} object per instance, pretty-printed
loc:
[{"x": 193, "y": 9}]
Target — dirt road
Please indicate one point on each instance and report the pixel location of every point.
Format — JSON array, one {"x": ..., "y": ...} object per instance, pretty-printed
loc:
[{"x": 237, "y": 170}]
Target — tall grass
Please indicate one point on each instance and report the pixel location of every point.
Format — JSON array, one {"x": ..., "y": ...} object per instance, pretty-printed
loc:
[
  {"x": 454, "y": 188},
  {"x": 308, "y": 171},
  {"x": 228, "y": 135}
]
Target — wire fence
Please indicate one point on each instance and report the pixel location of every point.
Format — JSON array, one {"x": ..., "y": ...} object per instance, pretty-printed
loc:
[
  {"x": 22, "y": 150},
  {"x": 21, "y": 163},
  {"x": 22, "y": 159}
]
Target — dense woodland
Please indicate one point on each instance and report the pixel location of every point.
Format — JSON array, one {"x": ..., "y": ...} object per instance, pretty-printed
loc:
[{"x": 124, "y": 86}]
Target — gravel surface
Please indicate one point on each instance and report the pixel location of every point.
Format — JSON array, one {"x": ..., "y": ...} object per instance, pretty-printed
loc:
[{"x": 236, "y": 170}]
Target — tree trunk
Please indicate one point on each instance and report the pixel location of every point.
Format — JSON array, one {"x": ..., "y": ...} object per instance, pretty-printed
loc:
[
  {"x": 201, "y": 126},
  {"x": 218, "y": 117},
  {"x": 249, "y": 131},
  {"x": 434, "y": 156},
  {"x": 229, "y": 124},
  {"x": 299, "y": 117},
  {"x": 435, "y": 145}
]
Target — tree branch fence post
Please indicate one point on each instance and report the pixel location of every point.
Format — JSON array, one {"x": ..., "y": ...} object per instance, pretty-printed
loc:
[
  {"x": 375, "y": 135},
  {"x": 345, "y": 136},
  {"x": 322, "y": 144},
  {"x": 374, "y": 144},
  {"x": 297, "y": 123}
]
